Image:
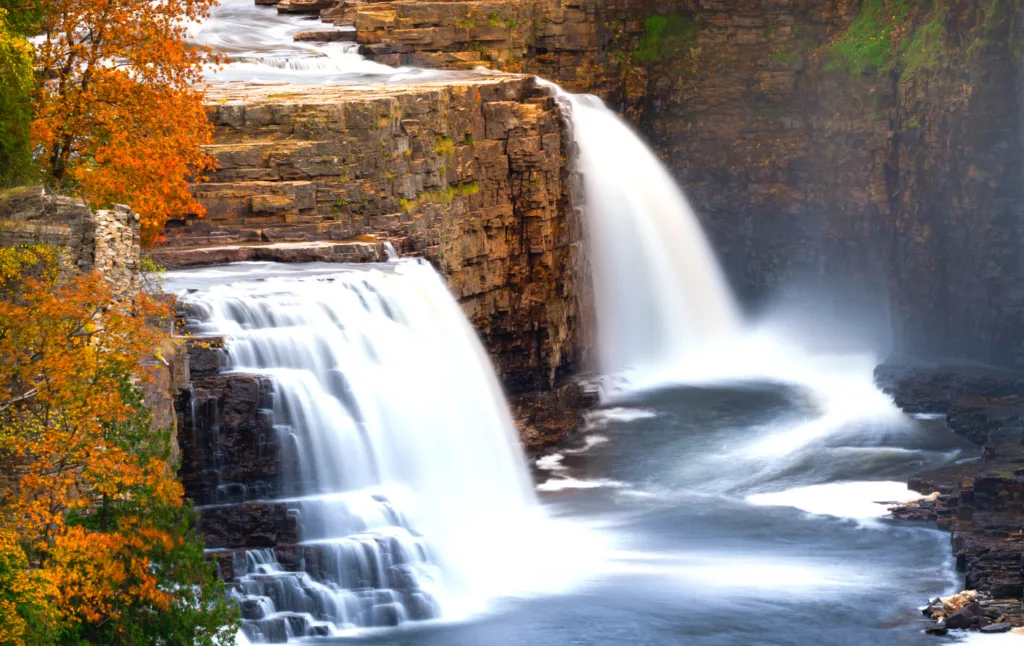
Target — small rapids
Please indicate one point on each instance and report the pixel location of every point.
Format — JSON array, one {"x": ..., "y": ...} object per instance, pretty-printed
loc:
[{"x": 259, "y": 46}]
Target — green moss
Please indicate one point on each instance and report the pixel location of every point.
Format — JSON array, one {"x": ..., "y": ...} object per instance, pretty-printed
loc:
[
  {"x": 665, "y": 37},
  {"x": 468, "y": 140},
  {"x": 791, "y": 53},
  {"x": 866, "y": 44},
  {"x": 494, "y": 20},
  {"x": 924, "y": 49}
]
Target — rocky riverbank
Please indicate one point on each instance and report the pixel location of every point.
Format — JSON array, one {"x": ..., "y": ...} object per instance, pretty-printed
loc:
[{"x": 980, "y": 502}]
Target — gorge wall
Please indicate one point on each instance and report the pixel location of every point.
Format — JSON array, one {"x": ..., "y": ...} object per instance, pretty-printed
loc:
[
  {"x": 471, "y": 175},
  {"x": 864, "y": 152}
]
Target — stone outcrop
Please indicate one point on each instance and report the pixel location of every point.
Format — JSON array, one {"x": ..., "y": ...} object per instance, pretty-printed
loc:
[
  {"x": 101, "y": 240},
  {"x": 981, "y": 503},
  {"x": 472, "y": 175},
  {"x": 316, "y": 251}
]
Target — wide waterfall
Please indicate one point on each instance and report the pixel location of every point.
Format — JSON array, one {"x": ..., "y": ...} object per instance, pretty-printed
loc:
[{"x": 398, "y": 452}]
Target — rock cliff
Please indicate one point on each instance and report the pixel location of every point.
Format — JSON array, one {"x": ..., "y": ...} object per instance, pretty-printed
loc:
[
  {"x": 471, "y": 174},
  {"x": 861, "y": 151}
]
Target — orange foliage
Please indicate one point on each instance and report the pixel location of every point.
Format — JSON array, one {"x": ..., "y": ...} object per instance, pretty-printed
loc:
[
  {"x": 117, "y": 114},
  {"x": 85, "y": 485}
]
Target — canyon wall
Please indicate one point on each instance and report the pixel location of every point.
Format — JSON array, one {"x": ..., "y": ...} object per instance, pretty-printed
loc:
[
  {"x": 860, "y": 155},
  {"x": 471, "y": 175}
]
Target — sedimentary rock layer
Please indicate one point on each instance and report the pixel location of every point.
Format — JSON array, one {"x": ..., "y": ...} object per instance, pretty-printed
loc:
[
  {"x": 472, "y": 174},
  {"x": 866, "y": 153}
]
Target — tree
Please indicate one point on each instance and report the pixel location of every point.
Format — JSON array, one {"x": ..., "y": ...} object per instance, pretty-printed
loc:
[
  {"x": 118, "y": 118},
  {"x": 86, "y": 485},
  {"x": 15, "y": 102}
]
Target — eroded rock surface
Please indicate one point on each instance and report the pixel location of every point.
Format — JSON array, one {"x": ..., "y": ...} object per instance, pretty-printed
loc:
[{"x": 473, "y": 175}]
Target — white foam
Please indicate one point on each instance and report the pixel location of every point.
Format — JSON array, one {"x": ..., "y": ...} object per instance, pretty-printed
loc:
[
  {"x": 551, "y": 462},
  {"x": 589, "y": 442},
  {"x": 842, "y": 499},
  {"x": 562, "y": 484}
]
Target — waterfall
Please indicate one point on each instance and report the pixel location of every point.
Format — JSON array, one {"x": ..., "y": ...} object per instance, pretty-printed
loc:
[
  {"x": 399, "y": 455},
  {"x": 658, "y": 289}
]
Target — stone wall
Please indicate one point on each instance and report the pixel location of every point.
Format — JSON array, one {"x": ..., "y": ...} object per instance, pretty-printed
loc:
[
  {"x": 472, "y": 175},
  {"x": 102, "y": 240}
]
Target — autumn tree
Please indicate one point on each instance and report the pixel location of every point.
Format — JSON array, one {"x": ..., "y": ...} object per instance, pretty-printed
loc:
[
  {"x": 118, "y": 118},
  {"x": 16, "y": 81},
  {"x": 96, "y": 539}
]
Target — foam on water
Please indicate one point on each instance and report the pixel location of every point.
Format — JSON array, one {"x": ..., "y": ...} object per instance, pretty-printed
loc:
[{"x": 844, "y": 499}]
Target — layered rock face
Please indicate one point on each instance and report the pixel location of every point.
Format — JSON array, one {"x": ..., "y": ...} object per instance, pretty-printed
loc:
[
  {"x": 860, "y": 152},
  {"x": 472, "y": 175}
]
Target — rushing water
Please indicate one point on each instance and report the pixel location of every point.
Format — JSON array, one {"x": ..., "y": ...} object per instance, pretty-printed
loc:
[
  {"x": 731, "y": 495},
  {"x": 398, "y": 453},
  {"x": 257, "y": 42}
]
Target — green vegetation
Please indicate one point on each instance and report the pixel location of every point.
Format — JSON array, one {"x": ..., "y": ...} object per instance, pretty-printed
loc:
[
  {"x": 665, "y": 37},
  {"x": 791, "y": 53},
  {"x": 866, "y": 44},
  {"x": 494, "y": 20},
  {"x": 445, "y": 146},
  {"x": 439, "y": 196},
  {"x": 468, "y": 139},
  {"x": 924, "y": 49},
  {"x": 16, "y": 79}
]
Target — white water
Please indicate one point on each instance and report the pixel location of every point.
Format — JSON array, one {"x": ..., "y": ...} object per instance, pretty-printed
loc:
[
  {"x": 658, "y": 289},
  {"x": 258, "y": 44},
  {"x": 665, "y": 312},
  {"x": 399, "y": 454}
]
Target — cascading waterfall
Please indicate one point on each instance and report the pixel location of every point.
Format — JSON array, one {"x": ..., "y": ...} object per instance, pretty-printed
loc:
[
  {"x": 665, "y": 311},
  {"x": 398, "y": 451},
  {"x": 659, "y": 291}
]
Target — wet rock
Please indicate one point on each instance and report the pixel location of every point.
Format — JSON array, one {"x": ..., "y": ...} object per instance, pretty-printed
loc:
[
  {"x": 387, "y": 614},
  {"x": 950, "y": 389},
  {"x": 969, "y": 616},
  {"x": 251, "y": 609},
  {"x": 1003, "y": 627},
  {"x": 230, "y": 451},
  {"x": 325, "y": 36},
  {"x": 422, "y": 605},
  {"x": 248, "y": 525},
  {"x": 937, "y": 629},
  {"x": 976, "y": 418}
]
